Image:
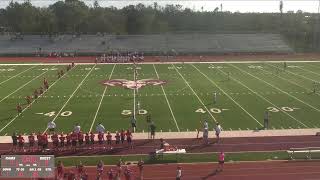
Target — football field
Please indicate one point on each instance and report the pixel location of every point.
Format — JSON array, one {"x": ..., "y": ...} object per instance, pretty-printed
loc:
[{"x": 176, "y": 96}]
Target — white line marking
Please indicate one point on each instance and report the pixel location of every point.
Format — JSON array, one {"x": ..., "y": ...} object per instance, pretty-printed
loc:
[
  {"x": 102, "y": 97},
  {"x": 278, "y": 89},
  {"x": 24, "y": 85},
  {"x": 71, "y": 95},
  {"x": 265, "y": 99},
  {"x": 16, "y": 75},
  {"x": 309, "y": 71},
  {"x": 165, "y": 95},
  {"x": 195, "y": 93},
  {"x": 13, "y": 119},
  {"x": 227, "y": 95}
]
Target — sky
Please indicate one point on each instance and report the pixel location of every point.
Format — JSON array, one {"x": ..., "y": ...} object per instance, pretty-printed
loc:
[{"x": 228, "y": 5}]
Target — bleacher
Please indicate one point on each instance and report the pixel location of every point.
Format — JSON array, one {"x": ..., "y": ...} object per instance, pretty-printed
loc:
[{"x": 191, "y": 43}]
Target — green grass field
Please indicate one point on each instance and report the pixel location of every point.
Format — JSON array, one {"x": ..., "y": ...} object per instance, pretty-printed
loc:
[{"x": 178, "y": 105}]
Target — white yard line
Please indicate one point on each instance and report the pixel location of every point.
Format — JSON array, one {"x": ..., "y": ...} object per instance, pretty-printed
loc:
[
  {"x": 64, "y": 105},
  {"x": 102, "y": 97},
  {"x": 265, "y": 99},
  {"x": 173, "y": 62},
  {"x": 13, "y": 119},
  {"x": 165, "y": 95},
  {"x": 24, "y": 85},
  {"x": 227, "y": 95},
  {"x": 277, "y": 88},
  {"x": 294, "y": 73},
  {"x": 16, "y": 75},
  {"x": 195, "y": 93},
  {"x": 309, "y": 71}
]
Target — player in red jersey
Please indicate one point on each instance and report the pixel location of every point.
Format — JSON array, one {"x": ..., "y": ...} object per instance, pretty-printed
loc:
[
  {"x": 74, "y": 139},
  {"x": 60, "y": 171},
  {"x": 129, "y": 138},
  {"x": 19, "y": 108},
  {"x": 28, "y": 99},
  {"x": 31, "y": 142},
  {"x": 62, "y": 138},
  {"x": 35, "y": 94},
  {"x": 100, "y": 138},
  {"x": 45, "y": 83},
  {"x": 92, "y": 135},
  {"x": 39, "y": 139},
  {"x": 80, "y": 139},
  {"x": 109, "y": 139},
  {"x": 117, "y": 137},
  {"x": 45, "y": 141},
  {"x": 123, "y": 136},
  {"x": 21, "y": 142},
  {"x": 68, "y": 137},
  {"x": 55, "y": 140},
  {"x": 87, "y": 139}
]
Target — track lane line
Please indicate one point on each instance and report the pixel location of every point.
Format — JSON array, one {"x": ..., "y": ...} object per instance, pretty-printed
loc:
[
  {"x": 265, "y": 99},
  {"x": 195, "y": 93},
  {"x": 102, "y": 97},
  {"x": 165, "y": 95},
  {"x": 65, "y": 104},
  {"x": 227, "y": 95}
]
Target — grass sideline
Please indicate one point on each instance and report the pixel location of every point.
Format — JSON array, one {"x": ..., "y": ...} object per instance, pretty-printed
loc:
[
  {"x": 186, "y": 98},
  {"x": 182, "y": 158}
]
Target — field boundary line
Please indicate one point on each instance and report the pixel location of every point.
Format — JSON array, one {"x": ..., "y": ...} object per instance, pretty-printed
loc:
[
  {"x": 227, "y": 95},
  {"x": 24, "y": 85},
  {"x": 102, "y": 97},
  {"x": 277, "y": 88},
  {"x": 195, "y": 94},
  {"x": 262, "y": 97},
  {"x": 64, "y": 105},
  {"x": 168, "y": 62},
  {"x": 16, "y": 75},
  {"x": 165, "y": 95},
  {"x": 32, "y": 102}
]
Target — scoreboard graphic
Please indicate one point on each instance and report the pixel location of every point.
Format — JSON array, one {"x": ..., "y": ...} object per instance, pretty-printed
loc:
[{"x": 27, "y": 166}]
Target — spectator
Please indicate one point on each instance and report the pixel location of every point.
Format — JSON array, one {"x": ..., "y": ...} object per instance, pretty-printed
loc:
[
  {"x": 60, "y": 171},
  {"x": 109, "y": 139},
  {"x": 80, "y": 169},
  {"x": 87, "y": 139},
  {"x": 218, "y": 130},
  {"x": 74, "y": 139},
  {"x": 100, "y": 168},
  {"x": 14, "y": 142},
  {"x": 77, "y": 128},
  {"x": 205, "y": 136},
  {"x": 127, "y": 173},
  {"x": 140, "y": 166},
  {"x": 221, "y": 161},
  {"x": 45, "y": 141},
  {"x": 80, "y": 138},
  {"x": 179, "y": 173},
  {"x": 100, "y": 128},
  {"x": 110, "y": 174},
  {"x": 68, "y": 138},
  {"x": 51, "y": 126},
  {"x": 152, "y": 130},
  {"x": 100, "y": 138},
  {"x": 40, "y": 141},
  {"x": 92, "y": 135},
  {"x": 55, "y": 140}
]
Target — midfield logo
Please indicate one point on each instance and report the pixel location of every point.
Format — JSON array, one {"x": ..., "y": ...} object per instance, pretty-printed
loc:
[{"x": 133, "y": 84}]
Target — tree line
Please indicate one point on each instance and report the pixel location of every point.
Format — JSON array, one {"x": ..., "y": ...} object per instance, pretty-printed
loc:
[{"x": 300, "y": 29}]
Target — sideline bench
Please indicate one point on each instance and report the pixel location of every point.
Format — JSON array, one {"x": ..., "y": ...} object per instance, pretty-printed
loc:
[{"x": 307, "y": 151}]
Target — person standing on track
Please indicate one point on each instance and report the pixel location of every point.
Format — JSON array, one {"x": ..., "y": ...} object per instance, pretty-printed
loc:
[
  {"x": 77, "y": 128},
  {"x": 205, "y": 132},
  {"x": 51, "y": 126},
  {"x": 140, "y": 166},
  {"x": 100, "y": 128},
  {"x": 220, "y": 161},
  {"x": 266, "y": 120},
  {"x": 133, "y": 124},
  {"x": 179, "y": 173}
]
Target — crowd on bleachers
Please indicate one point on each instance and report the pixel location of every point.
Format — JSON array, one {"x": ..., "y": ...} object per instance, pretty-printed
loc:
[
  {"x": 73, "y": 141},
  {"x": 117, "y": 57}
]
